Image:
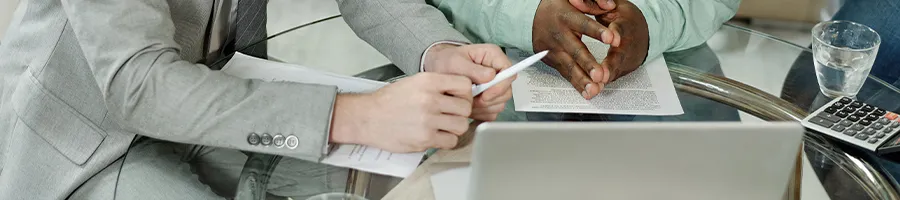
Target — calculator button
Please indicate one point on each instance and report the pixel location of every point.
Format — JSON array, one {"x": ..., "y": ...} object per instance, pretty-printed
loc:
[
  {"x": 883, "y": 121},
  {"x": 894, "y": 124},
  {"x": 850, "y": 133},
  {"x": 890, "y": 116},
  {"x": 879, "y": 135},
  {"x": 888, "y": 130},
  {"x": 841, "y": 114},
  {"x": 873, "y": 141},
  {"x": 853, "y": 118},
  {"x": 860, "y": 113},
  {"x": 838, "y": 128},
  {"x": 865, "y": 122},
  {"x": 868, "y": 131},
  {"x": 849, "y": 110},
  {"x": 862, "y": 136},
  {"x": 831, "y": 118},
  {"x": 857, "y": 127},
  {"x": 877, "y": 126},
  {"x": 872, "y": 117},
  {"x": 821, "y": 122},
  {"x": 837, "y": 105},
  {"x": 830, "y": 110},
  {"x": 856, "y": 104},
  {"x": 879, "y": 111},
  {"x": 845, "y": 100},
  {"x": 845, "y": 123},
  {"x": 868, "y": 108}
]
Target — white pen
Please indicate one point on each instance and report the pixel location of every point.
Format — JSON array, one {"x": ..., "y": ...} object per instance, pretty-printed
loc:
[{"x": 509, "y": 72}]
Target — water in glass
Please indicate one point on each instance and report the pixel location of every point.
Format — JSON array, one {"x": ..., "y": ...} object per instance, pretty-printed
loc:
[{"x": 844, "y": 52}]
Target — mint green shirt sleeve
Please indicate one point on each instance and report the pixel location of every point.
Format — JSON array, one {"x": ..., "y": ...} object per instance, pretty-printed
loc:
[
  {"x": 505, "y": 22},
  {"x": 673, "y": 24},
  {"x": 680, "y": 24}
]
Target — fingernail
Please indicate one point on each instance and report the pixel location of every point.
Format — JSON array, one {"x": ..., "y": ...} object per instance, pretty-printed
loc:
[
  {"x": 586, "y": 92},
  {"x": 611, "y": 2},
  {"x": 594, "y": 75},
  {"x": 607, "y": 37}
]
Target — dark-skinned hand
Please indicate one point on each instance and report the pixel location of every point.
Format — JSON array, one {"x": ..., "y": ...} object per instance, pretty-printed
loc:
[
  {"x": 558, "y": 27},
  {"x": 628, "y": 21}
]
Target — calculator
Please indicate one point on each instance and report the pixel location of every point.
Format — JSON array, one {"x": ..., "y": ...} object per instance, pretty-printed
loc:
[{"x": 857, "y": 123}]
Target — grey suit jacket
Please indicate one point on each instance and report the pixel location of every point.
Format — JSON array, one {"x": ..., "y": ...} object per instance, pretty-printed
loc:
[
  {"x": 400, "y": 29},
  {"x": 80, "y": 79}
]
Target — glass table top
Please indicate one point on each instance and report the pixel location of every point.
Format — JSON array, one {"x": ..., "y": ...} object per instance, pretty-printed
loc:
[{"x": 738, "y": 75}]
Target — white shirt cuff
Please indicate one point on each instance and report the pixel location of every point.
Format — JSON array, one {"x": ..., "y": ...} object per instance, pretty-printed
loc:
[{"x": 422, "y": 62}]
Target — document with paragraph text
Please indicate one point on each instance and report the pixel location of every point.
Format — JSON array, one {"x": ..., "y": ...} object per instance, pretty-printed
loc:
[{"x": 646, "y": 91}]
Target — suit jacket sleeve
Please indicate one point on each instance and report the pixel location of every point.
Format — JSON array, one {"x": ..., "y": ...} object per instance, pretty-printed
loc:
[
  {"x": 400, "y": 29},
  {"x": 150, "y": 90}
]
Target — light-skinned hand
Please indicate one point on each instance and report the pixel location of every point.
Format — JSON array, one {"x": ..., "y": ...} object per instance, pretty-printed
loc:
[
  {"x": 480, "y": 63},
  {"x": 427, "y": 110}
]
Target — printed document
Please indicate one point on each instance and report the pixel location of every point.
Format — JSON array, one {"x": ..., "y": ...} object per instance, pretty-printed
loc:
[
  {"x": 358, "y": 157},
  {"x": 646, "y": 91}
]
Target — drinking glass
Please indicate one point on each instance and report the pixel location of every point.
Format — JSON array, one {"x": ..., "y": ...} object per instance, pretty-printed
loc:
[{"x": 844, "y": 52}]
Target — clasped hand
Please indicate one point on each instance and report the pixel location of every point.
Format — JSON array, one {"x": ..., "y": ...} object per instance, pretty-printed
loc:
[{"x": 560, "y": 24}]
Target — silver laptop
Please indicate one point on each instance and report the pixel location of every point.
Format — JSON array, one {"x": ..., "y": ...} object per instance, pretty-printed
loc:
[{"x": 696, "y": 161}]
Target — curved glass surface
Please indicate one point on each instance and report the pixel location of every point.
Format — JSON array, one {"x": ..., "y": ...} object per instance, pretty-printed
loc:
[{"x": 738, "y": 75}]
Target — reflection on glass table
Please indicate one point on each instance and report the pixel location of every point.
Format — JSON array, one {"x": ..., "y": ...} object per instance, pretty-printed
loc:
[{"x": 738, "y": 75}]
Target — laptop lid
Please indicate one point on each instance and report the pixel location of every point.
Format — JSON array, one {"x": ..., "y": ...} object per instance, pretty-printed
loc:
[{"x": 554, "y": 160}]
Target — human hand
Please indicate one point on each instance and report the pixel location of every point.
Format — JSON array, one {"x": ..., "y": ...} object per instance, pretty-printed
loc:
[
  {"x": 480, "y": 63},
  {"x": 628, "y": 21},
  {"x": 427, "y": 110},
  {"x": 558, "y": 27}
]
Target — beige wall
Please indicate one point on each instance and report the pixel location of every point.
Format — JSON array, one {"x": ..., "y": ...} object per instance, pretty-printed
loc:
[{"x": 6, "y": 12}]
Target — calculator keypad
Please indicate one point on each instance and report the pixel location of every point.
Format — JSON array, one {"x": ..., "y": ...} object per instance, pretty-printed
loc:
[{"x": 858, "y": 120}]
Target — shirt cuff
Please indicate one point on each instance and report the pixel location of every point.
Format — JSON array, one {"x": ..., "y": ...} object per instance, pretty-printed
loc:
[{"x": 422, "y": 62}]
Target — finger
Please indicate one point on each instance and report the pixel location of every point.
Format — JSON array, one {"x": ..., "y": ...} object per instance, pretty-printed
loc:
[
  {"x": 489, "y": 55},
  {"x": 444, "y": 140},
  {"x": 615, "y": 58},
  {"x": 457, "y": 86},
  {"x": 612, "y": 63},
  {"x": 593, "y": 7},
  {"x": 450, "y": 123},
  {"x": 493, "y": 109},
  {"x": 590, "y": 27},
  {"x": 453, "y": 106},
  {"x": 492, "y": 93},
  {"x": 463, "y": 65},
  {"x": 572, "y": 72},
  {"x": 501, "y": 99},
  {"x": 583, "y": 57},
  {"x": 615, "y": 27}
]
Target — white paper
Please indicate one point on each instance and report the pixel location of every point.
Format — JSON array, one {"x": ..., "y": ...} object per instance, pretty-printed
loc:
[
  {"x": 646, "y": 91},
  {"x": 452, "y": 184},
  {"x": 358, "y": 157}
]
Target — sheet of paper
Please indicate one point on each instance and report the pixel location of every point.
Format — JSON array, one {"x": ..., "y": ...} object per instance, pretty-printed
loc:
[
  {"x": 358, "y": 157},
  {"x": 646, "y": 91},
  {"x": 452, "y": 184}
]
